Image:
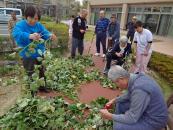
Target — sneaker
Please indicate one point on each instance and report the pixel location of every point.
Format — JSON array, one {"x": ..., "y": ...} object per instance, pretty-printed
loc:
[
  {"x": 97, "y": 54},
  {"x": 103, "y": 56},
  {"x": 105, "y": 71}
]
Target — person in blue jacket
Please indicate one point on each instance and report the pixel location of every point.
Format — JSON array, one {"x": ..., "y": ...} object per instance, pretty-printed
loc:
[
  {"x": 25, "y": 32},
  {"x": 101, "y": 33},
  {"x": 113, "y": 31}
]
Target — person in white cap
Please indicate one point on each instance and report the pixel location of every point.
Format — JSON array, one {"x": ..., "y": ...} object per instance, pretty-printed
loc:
[{"x": 118, "y": 52}]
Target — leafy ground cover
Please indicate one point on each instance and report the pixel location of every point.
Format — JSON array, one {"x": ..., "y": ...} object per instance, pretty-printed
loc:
[{"x": 53, "y": 114}]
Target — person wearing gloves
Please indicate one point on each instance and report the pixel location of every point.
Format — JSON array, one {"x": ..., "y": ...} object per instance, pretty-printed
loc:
[
  {"x": 118, "y": 53},
  {"x": 25, "y": 32},
  {"x": 142, "y": 107}
]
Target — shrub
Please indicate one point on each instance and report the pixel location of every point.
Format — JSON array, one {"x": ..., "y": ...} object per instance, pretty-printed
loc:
[
  {"x": 46, "y": 18},
  {"x": 5, "y": 44},
  {"x": 163, "y": 65},
  {"x": 61, "y": 32}
]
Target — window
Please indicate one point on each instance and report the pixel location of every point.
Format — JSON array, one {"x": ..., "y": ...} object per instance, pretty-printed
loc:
[
  {"x": 102, "y": 8},
  {"x": 114, "y": 9},
  {"x": 147, "y": 9},
  {"x": 166, "y": 9},
  {"x": 139, "y": 9},
  {"x": 119, "y": 9},
  {"x": 132, "y": 9},
  {"x": 1, "y": 11},
  {"x": 9, "y": 11},
  {"x": 156, "y": 9},
  {"x": 108, "y": 9}
]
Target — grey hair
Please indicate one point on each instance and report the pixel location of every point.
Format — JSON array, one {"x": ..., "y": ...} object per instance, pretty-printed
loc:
[
  {"x": 116, "y": 72},
  {"x": 102, "y": 11},
  {"x": 82, "y": 11},
  {"x": 123, "y": 39}
]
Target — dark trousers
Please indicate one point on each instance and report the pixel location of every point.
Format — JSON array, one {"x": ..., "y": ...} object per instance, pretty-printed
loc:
[
  {"x": 110, "y": 44},
  {"x": 29, "y": 64},
  {"x": 101, "y": 37},
  {"x": 77, "y": 43},
  {"x": 121, "y": 108},
  {"x": 112, "y": 56},
  {"x": 131, "y": 36}
]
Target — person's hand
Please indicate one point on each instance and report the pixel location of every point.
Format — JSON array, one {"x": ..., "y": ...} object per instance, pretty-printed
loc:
[
  {"x": 82, "y": 31},
  {"x": 118, "y": 54},
  {"x": 170, "y": 101},
  {"x": 145, "y": 53},
  {"x": 110, "y": 38},
  {"x": 34, "y": 36},
  {"x": 106, "y": 114},
  {"x": 111, "y": 102},
  {"x": 53, "y": 37}
]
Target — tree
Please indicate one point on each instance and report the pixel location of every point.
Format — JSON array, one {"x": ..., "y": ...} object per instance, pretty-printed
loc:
[
  {"x": 75, "y": 6},
  {"x": 85, "y": 4}
]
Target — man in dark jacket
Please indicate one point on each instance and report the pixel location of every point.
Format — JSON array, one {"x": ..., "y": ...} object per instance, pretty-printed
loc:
[
  {"x": 79, "y": 29},
  {"x": 113, "y": 31},
  {"x": 131, "y": 29},
  {"x": 118, "y": 52},
  {"x": 100, "y": 31}
]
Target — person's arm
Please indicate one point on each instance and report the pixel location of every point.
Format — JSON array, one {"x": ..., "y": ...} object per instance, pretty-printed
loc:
[
  {"x": 170, "y": 101},
  {"x": 9, "y": 26},
  {"x": 108, "y": 34},
  {"x": 115, "y": 48},
  {"x": 127, "y": 27},
  {"x": 22, "y": 38},
  {"x": 149, "y": 39},
  {"x": 135, "y": 41},
  {"x": 139, "y": 102},
  {"x": 121, "y": 98},
  {"x": 117, "y": 31},
  {"x": 96, "y": 27},
  {"x": 44, "y": 33},
  {"x": 128, "y": 50}
]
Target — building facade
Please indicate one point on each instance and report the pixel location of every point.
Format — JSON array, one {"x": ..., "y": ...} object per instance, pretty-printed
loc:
[
  {"x": 2, "y": 3},
  {"x": 156, "y": 15}
]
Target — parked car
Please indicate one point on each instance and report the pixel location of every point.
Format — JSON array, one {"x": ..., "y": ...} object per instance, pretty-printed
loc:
[{"x": 5, "y": 14}]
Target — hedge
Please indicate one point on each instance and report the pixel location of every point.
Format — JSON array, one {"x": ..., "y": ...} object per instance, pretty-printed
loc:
[
  {"x": 61, "y": 31},
  {"x": 163, "y": 65}
]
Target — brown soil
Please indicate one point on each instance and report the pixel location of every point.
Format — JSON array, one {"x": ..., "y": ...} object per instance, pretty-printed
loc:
[
  {"x": 93, "y": 90},
  {"x": 8, "y": 97}
]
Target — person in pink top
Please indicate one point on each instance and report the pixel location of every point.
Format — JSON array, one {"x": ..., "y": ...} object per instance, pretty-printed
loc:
[{"x": 143, "y": 47}]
